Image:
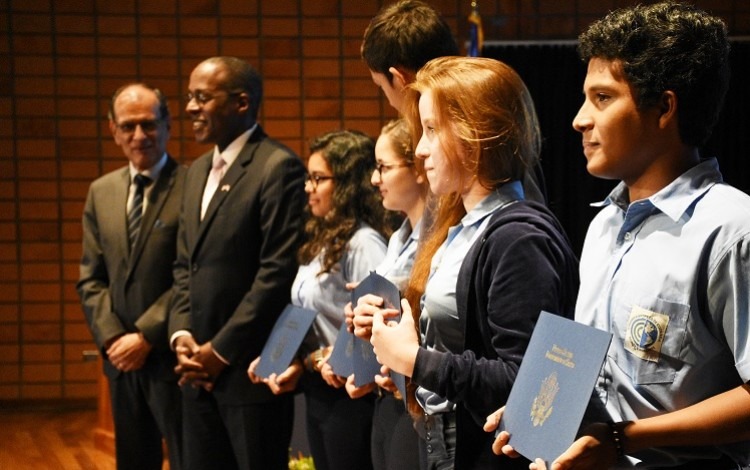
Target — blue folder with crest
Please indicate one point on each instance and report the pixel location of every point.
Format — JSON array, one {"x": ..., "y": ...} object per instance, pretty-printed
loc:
[
  {"x": 553, "y": 386},
  {"x": 285, "y": 339}
]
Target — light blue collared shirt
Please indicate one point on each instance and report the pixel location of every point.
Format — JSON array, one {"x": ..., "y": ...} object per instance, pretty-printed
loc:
[
  {"x": 399, "y": 258},
  {"x": 327, "y": 293},
  {"x": 669, "y": 276}
]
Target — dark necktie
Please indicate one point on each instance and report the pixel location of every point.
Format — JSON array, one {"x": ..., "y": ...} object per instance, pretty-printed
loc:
[{"x": 136, "y": 211}]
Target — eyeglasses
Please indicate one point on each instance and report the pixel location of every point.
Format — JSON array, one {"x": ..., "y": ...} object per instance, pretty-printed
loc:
[
  {"x": 149, "y": 126},
  {"x": 202, "y": 98},
  {"x": 382, "y": 168},
  {"x": 315, "y": 180}
]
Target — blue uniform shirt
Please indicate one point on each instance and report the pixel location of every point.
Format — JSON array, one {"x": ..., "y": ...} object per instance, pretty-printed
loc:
[
  {"x": 327, "y": 293},
  {"x": 669, "y": 276}
]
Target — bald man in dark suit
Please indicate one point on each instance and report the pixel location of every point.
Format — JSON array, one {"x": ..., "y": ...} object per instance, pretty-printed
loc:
[
  {"x": 240, "y": 228},
  {"x": 129, "y": 245}
]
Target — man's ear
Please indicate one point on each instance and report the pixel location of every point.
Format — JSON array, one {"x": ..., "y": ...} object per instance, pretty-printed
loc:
[
  {"x": 113, "y": 130},
  {"x": 667, "y": 109},
  {"x": 243, "y": 102},
  {"x": 401, "y": 77}
]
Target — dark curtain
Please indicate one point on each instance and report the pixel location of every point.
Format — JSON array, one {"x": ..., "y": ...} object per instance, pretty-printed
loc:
[{"x": 554, "y": 75}]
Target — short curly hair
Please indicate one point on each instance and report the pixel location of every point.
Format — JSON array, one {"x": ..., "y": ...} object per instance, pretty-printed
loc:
[{"x": 668, "y": 46}]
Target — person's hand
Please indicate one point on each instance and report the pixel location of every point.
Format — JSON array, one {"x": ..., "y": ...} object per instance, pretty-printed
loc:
[
  {"x": 358, "y": 392},
  {"x": 197, "y": 365},
  {"x": 186, "y": 348},
  {"x": 330, "y": 377},
  {"x": 281, "y": 383},
  {"x": 251, "y": 371},
  {"x": 500, "y": 446},
  {"x": 348, "y": 313},
  {"x": 384, "y": 381},
  {"x": 212, "y": 365},
  {"x": 366, "y": 307},
  {"x": 538, "y": 464},
  {"x": 287, "y": 380},
  {"x": 349, "y": 317},
  {"x": 594, "y": 450},
  {"x": 129, "y": 352},
  {"x": 395, "y": 344}
]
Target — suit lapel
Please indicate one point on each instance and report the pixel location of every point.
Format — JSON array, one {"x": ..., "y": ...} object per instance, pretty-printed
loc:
[
  {"x": 233, "y": 175},
  {"x": 119, "y": 212},
  {"x": 192, "y": 201}
]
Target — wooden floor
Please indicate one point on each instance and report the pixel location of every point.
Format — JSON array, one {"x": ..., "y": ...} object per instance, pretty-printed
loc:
[{"x": 50, "y": 440}]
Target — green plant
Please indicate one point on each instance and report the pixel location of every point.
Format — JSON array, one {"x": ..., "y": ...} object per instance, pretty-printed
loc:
[{"x": 301, "y": 462}]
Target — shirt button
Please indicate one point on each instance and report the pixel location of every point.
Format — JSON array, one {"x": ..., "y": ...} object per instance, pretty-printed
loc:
[
  {"x": 429, "y": 449},
  {"x": 628, "y": 236},
  {"x": 195, "y": 268}
]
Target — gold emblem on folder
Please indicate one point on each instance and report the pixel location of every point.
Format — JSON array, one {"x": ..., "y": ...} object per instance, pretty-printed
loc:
[{"x": 542, "y": 407}]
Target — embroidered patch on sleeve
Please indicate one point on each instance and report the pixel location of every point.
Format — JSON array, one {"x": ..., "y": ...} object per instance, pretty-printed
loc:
[{"x": 645, "y": 336}]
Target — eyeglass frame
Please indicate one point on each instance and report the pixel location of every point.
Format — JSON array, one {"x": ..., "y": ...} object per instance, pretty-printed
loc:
[
  {"x": 379, "y": 166},
  {"x": 202, "y": 98},
  {"x": 148, "y": 126},
  {"x": 315, "y": 180}
]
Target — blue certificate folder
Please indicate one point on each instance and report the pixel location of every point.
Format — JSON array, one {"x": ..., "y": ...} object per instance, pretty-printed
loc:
[
  {"x": 285, "y": 339},
  {"x": 378, "y": 285},
  {"x": 553, "y": 386},
  {"x": 352, "y": 355}
]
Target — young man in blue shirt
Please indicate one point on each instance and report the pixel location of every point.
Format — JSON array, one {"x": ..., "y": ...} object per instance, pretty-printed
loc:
[{"x": 665, "y": 266}]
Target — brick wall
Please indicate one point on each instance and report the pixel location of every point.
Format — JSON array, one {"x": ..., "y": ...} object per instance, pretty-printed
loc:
[{"x": 60, "y": 60}]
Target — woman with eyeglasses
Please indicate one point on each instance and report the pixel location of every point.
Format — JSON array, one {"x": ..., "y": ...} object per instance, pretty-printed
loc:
[
  {"x": 345, "y": 242},
  {"x": 489, "y": 265},
  {"x": 403, "y": 185}
]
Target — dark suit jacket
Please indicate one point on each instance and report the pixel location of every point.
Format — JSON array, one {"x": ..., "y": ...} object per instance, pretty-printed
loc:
[
  {"x": 234, "y": 269},
  {"x": 121, "y": 293}
]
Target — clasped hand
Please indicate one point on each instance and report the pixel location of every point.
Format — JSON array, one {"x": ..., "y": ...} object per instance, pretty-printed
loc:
[
  {"x": 197, "y": 364},
  {"x": 129, "y": 352}
]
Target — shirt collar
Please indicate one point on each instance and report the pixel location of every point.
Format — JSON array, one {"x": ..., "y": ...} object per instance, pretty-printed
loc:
[
  {"x": 414, "y": 235},
  {"x": 232, "y": 151},
  {"x": 675, "y": 198},
  {"x": 153, "y": 172},
  {"x": 507, "y": 193}
]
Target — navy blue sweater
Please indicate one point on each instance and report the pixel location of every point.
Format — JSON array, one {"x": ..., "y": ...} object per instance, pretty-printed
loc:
[{"x": 522, "y": 264}]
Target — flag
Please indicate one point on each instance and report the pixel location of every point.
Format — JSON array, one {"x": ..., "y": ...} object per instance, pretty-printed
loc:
[{"x": 476, "y": 34}]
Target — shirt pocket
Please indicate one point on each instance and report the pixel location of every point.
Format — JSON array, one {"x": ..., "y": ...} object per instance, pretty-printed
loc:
[{"x": 652, "y": 334}]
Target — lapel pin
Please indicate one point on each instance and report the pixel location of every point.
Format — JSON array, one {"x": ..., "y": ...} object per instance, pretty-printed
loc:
[{"x": 225, "y": 188}]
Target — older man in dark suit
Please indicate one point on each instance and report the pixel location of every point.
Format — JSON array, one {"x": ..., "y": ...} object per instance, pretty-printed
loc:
[
  {"x": 129, "y": 245},
  {"x": 240, "y": 225}
]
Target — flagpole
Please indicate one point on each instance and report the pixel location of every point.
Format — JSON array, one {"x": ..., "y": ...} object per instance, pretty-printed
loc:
[{"x": 476, "y": 34}]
